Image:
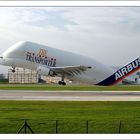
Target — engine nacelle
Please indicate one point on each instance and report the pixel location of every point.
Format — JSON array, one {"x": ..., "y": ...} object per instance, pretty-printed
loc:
[{"x": 45, "y": 71}]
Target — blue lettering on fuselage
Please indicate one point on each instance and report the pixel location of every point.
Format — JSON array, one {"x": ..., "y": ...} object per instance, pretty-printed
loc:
[{"x": 121, "y": 73}]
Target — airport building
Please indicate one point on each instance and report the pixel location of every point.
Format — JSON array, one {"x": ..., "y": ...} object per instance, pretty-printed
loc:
[{"x": 25, "y": 76}]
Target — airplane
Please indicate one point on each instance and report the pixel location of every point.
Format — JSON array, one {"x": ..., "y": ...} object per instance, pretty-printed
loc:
[{"x": 54, "y": 62}]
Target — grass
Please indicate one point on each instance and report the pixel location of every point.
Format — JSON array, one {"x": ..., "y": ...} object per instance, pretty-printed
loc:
[
  {"x": 68, "y": 87},
  {"x": 104, "y": 117},
  {"x": 4, "y": 81}
]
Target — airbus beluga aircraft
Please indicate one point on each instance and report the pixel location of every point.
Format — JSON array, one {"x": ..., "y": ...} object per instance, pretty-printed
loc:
[{"x": 51, "y": 61}]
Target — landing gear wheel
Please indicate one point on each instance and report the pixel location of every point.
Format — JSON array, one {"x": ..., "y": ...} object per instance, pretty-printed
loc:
[
  {"x": 13, "y": 70},
  {"x": 62, "y": 83}
]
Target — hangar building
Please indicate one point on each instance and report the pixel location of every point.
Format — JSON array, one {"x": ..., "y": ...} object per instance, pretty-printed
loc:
[{"x": 25, "y": 76}]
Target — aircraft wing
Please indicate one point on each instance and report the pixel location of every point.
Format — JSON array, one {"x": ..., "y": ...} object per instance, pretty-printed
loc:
[{"x": 70, "y": 70}]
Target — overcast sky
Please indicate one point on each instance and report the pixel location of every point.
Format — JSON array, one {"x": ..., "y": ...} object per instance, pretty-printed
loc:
[{"x": 110, "y": 35}]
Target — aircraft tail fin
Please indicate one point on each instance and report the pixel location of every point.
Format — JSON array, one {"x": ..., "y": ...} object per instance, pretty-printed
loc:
[{"x": 122, "y": 73}]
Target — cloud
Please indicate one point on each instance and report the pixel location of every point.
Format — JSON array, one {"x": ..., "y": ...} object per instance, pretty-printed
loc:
[{"x": 107, "y": 34}]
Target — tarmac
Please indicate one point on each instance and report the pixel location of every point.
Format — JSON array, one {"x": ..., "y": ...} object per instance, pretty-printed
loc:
[{"x": 70, "y": 95}]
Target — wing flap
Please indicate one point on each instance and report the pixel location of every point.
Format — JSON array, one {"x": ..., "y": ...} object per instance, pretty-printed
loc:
[{"x": 70, "y": 70}]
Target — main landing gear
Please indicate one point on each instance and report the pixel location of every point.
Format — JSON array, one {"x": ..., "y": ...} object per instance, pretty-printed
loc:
[{"x": 62, "y": 82}]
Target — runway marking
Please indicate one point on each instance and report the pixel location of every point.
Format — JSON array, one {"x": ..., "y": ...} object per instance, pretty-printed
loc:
[
  {"x": 69, "y": 91},
  {"x": 70, "y": 95}
]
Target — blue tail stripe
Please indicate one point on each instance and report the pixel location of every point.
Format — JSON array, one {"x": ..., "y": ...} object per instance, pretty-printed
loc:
[{"x": 121, "y": 73}]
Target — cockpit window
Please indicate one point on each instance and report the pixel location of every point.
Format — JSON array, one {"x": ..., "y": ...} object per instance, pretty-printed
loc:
[{"x": 1, "y": 57}]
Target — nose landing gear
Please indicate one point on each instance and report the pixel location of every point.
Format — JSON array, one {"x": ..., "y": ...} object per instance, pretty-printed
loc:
[{"x": 13, "y": 69}]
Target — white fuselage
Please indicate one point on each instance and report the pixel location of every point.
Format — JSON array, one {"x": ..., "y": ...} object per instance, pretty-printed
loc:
[{"x": 16, "y": 56}]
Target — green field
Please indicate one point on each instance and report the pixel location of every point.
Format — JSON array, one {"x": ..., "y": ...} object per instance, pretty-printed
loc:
[
  {"x": 103, "y": 117},
  {"x": 68, "y": 87}
]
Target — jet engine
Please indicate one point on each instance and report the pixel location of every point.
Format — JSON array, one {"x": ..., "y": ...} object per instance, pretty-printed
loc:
[{"x": 45, "y": 71}]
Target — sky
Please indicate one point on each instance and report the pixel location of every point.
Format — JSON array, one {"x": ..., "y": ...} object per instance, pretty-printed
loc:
[{"x": 110, "y": 35}]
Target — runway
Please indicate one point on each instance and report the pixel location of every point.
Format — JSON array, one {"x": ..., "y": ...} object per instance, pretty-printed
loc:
[{"x": 70, "y": 95}]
